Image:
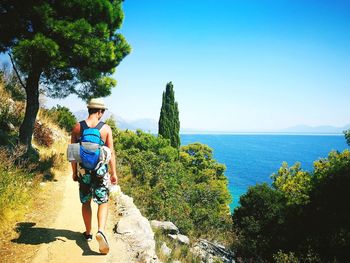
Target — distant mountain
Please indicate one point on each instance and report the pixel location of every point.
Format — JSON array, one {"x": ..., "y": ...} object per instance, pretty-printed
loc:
[
  {"x": 147, "y": 125},
  {"x": 316, "y": 129}
]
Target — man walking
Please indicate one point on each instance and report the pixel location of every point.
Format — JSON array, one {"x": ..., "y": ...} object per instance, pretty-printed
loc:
[{"x": 94, "y": 184}]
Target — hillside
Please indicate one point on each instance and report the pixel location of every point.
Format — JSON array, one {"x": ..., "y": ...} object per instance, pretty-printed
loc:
[{"x": 148, "y": 125}]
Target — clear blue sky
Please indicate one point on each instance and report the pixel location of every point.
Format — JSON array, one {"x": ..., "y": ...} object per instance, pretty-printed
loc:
[{"x": 236, "y": 65}]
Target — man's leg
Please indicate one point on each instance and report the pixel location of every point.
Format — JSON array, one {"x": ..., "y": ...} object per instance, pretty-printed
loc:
[
  {"x": 101, "y": 198},
  {"x": 87, "y": 215},
  {"x": 102, "y": 214}
]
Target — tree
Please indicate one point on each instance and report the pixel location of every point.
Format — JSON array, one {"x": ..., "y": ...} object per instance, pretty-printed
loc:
[
  {"x": 293, "y": 182},
  {"x": 259, "y": 223},
  {"x": 169, "y": 123},
  {"x": 347, "y": 136},
  {"x": 66, "y": 47},
  {"x": 327, "y": 215}
]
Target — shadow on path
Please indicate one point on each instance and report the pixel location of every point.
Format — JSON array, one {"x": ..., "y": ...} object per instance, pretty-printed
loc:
[{"x": 28, "y": 234}]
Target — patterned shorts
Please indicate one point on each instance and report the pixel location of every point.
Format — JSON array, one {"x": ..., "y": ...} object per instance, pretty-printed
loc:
[{"x": 94, "y": 185}]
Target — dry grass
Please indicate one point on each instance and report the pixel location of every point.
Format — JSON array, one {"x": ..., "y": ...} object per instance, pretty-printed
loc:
[
  {"x": 20, "y": 180},
  {"x": 16, "y": 187},
  {"x": 180, "y": 252}
]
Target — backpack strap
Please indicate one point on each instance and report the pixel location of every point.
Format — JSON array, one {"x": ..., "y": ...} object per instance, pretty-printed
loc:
[
  {"x": 99, "y": 125},
  {"x": 83, "y": 126}
]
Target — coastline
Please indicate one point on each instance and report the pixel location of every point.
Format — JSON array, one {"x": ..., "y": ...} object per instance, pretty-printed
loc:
[{"x": 261, "y": 133}]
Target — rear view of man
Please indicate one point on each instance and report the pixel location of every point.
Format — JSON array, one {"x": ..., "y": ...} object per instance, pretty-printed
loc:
[{"x": 94, "y": 184}]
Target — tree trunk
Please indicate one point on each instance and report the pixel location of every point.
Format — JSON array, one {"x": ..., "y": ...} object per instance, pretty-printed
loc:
[{"x": 32, "y": 108}]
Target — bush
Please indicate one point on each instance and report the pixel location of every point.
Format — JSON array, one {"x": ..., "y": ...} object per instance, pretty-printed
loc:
[
  {"x": 189, "y": 191},
  {"x": 347, "y": 136},
  {"x": 11, "y": 116},
  {"x": 281, "y": 257},
  {"x": 42, "y": 134},
  {"x": 259, "y": 222},
  {"x": 307, "y": 213},
  {"x": 63, "y": 117}
]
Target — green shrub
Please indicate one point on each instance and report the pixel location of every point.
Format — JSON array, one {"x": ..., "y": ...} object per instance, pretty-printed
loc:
[
  {"x": 281, "y": 257},
  {"x": 11, "y": 116},
  {"x": 347, "y": 136},
  {"x": 63, "y": 117},
  {"x": 307, "y": 213},
  {"x": 259, "y": 222},
  {"x": 189, "y": 191}
]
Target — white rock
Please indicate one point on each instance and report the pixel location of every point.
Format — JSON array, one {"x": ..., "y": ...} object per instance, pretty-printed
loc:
[
  {"x": 135, "y": 230},
  {"x": 181, "y": 238},
  {"x": 165, "y": 249},
  {"x": 11, "y": 126},
  {"x": 165, "y": 225}
]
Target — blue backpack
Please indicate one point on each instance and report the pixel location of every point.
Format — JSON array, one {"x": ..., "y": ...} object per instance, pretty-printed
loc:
[{"x": 90, "y": 145}]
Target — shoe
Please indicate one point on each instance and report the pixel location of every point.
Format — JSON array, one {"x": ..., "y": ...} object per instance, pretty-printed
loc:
[
  {"x": 88, "y": 238},
  {"x": 102, "y": 242}
]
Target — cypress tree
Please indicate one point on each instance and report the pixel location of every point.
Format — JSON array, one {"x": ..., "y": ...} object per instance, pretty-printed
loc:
[{"x": 169, "y": 123}]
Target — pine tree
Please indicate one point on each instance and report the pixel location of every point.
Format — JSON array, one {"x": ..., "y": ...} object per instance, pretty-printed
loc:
[
  {"x": 65, "y": 47},
  {"x": 169, "y": 123}
]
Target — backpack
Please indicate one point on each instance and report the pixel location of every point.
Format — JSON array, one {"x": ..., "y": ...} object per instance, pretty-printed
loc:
[{"x": 90, "y": 145}]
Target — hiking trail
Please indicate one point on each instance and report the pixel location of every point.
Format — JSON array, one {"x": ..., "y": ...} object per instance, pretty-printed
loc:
[
  {"x": 58, "y": 237},
  {"x": 66, "y": 242}
]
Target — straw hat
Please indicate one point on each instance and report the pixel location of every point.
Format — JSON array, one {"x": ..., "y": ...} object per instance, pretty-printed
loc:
[{"x": 97, "y": 103}]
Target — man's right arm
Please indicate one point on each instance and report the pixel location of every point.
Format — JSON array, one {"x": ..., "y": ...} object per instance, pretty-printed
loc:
[{"x": 74, "y": 139}]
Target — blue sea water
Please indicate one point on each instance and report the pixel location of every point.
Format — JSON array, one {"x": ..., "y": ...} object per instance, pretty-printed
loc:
[{"x": 252, "y": 158}]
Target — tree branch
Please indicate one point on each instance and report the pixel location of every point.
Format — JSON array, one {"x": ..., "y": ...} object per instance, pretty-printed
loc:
[{"x": 19, "y": 78}]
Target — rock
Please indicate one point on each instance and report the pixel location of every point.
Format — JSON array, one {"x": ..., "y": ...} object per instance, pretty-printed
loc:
[
  {"x": 10, "y": 126},
  {"x": 165, "y": 250},
  {"x": 209, "y": 252},
  {"x": 181, "y": 238},
  {"x": 166, "y": 226},
  {"x": 135, "y": 230}
]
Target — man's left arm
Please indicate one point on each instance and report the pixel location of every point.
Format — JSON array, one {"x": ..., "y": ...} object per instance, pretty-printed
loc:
[{"x": 112, "y": 163}]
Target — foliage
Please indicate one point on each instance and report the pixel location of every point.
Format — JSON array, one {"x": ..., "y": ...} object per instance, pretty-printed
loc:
[
  {"x": 293, "y": 182},
  {"x": 66, "y": 46},
  {"x": 166, "y": 188},
  {"x": 281, "y": 257},
  {"x": 306, "y": 214},
  {"x": 11, "y": 115},
  {"x": 43, "y": 135},
  {"x": 258, "y": 222},
  {"x": 347, "y": 136},
  {"x": 63, "y": 117},
  {"x": 15, "y": 192},
  {"x": 12, "y": 84},
  {"x": 169, "y": 123},
  {"x": 179, "y": 252},
  {"x": 327, "y": 215},
  {"x": 20, "y": 178},
  {"x": 69, "y": 41}
]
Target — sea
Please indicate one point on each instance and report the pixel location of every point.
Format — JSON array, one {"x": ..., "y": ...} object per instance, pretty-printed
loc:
[{"x": 253, "y": 158}]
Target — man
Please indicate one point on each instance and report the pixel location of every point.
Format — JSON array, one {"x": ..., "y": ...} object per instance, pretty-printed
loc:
[{"x": 91, "y": 185}]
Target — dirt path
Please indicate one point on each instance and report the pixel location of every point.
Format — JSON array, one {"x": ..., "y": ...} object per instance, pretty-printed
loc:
[{"x": 60, "y": 239}]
